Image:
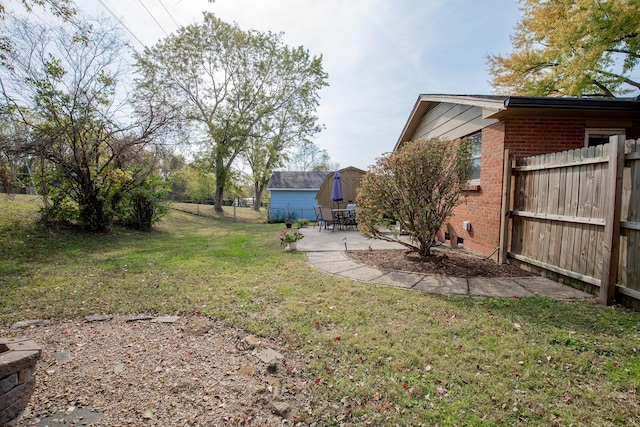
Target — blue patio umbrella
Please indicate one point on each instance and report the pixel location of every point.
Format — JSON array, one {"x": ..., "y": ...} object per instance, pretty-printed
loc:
[{"x": 336, "y": 191}]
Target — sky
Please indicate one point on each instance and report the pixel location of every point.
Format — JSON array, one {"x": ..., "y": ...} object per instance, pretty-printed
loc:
[{"x": 379, "y": 54}]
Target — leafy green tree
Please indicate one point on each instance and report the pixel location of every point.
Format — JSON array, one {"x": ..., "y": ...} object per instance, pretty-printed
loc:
[
  {"x": 62, "y": 87},
  {"x": 234, "y": 85},
  {"x": 571, "y": 48},
  {"x": 418, "y": 185},
  {"x": 281, "y": 133},
  {"x": 193, "y": 182}
]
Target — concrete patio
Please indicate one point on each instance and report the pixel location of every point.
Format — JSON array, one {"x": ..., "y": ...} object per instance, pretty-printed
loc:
[{"x": 325, "y": 250}]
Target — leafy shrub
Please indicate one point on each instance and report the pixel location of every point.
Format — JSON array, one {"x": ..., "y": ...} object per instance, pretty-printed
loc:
[
  {"x": 144, "y": 206},
  {"x": 419, "y": 185},
  {"x": 302, "y": 222}
]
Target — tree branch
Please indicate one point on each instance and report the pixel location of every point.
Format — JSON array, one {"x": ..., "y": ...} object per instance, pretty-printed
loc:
[
  {"x": 606, "y": 91},
  {"x": 625, "y": 79}
]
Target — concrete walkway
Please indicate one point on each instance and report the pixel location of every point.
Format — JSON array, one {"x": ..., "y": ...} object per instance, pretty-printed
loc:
[{"x": 325, "y": 250}]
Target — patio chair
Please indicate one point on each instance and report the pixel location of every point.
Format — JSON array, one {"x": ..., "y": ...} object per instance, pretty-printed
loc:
[
  {"x": 319, "y": 221},
  {"x": 327, "y": 217},
  {"x": 350, "y": 216}
]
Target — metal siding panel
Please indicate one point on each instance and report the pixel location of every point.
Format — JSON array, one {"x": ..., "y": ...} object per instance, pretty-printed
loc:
[
  {"x": 300, "y": 202},
  {"x": 451, "y": 121}
]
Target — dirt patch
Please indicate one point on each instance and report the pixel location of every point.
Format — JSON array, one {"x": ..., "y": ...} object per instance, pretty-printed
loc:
[
  {"x": 450, "y": 262},
  {"x": 146, "y": 373}
]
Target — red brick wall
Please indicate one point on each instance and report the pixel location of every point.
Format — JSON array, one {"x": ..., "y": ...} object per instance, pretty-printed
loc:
[
  {"x": 523, "y": 137},
  {"x": 532, "y": 136}
]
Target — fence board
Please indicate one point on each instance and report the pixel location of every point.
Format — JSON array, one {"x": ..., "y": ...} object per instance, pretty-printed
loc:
[
  {"x": 506, "y": 207},
  {"x": 588, "y": 231},
  {"x": 568, "y": 231},
  {"x": 559, "y": 210},
  {"x": 633, "y": 236},
  {"x": 538, "y": 192},
  {"x": 611, "y": 240},
  {"x": 597, "y": 211},
  {"x": 552, "y": 254},
  {"x": 543, "y": 207}
]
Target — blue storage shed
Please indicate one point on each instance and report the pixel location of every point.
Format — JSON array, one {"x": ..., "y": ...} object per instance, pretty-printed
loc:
[{"x": 294, "y": 192}]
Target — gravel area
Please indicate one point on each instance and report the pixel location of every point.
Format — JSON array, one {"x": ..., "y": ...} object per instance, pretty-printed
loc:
[{"x": 170, "y": 371}]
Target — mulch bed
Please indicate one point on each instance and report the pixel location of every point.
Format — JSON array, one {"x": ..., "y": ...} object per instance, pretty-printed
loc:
[{"x": 450, "y": 262}]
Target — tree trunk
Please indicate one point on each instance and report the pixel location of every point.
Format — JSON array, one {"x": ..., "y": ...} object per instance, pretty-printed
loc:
[
  {"x": 217, "y": 201},
  {"x": 92, "y": 214},
  {"x": 258, "y": 200},
  {"x": 221, "y": 177}
]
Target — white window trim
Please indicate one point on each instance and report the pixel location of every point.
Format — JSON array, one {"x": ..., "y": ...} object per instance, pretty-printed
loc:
[
  {"x": 479, "y": 156},
  {"x": 601, "y": 131}
]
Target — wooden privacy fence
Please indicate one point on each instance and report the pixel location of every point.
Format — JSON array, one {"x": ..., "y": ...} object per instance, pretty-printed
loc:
[{"x": 576, "y": 214}]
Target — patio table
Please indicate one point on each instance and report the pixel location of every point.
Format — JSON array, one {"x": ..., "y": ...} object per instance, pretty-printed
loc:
[{"x": 341, "y": 214}]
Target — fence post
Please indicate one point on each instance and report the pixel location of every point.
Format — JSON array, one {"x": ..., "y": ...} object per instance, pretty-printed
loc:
[
  {"x": 611, "y": 243},
  {"x": 506, "y": 206}
]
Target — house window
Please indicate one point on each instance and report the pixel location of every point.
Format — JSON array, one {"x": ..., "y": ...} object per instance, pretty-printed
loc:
[
  {"x": 599, "y": 136},
  {"x": 476, "y": 150}
]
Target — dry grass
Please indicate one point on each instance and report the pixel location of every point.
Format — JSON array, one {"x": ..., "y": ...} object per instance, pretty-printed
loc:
[
  {"x": 230, "y": 213},
  {"x": 375, "y": 355}
]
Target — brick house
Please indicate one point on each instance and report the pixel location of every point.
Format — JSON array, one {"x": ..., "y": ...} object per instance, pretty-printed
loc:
[{"x": 527, "y": 126}]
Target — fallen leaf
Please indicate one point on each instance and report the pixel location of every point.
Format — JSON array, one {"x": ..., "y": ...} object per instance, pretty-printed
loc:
[
  {"x": 517, "y": 326},
  {"x": 148, "y": 414},
  {"x": 318, "y": 380}
]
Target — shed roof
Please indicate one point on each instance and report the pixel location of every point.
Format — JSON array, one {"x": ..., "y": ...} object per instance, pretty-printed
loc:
[
  {"x": 350, "y": 176},
  {"x": 285, "y": 180},
  {"x": 500, "y": 106}
]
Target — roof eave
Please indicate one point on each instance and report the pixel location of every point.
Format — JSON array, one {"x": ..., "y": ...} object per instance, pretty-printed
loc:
[
  {"x": 517, "y": 105},
  {"x": 425, "y": 101}
]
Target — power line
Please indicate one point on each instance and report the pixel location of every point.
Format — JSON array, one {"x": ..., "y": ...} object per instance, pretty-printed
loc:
[
  {"x": 153, "y": 17},
  {"x": 121, "y": 22},
  {"x": 168, "y": 13}
]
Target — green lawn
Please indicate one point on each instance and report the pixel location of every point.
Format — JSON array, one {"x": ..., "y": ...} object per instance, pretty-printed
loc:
[{"x": 377, "y": 356}]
